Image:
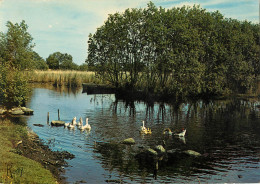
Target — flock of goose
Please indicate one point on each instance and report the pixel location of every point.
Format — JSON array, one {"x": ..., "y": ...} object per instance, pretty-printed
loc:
[
  {"x": 167, "y": 131},
  {"x": 80, "y": 125},
  {"x": 143, "y": 129}
]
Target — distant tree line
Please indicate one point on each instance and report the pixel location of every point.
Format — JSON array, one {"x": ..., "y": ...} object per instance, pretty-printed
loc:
[
  {"x": 60, "y": 61},
  {"x": 176, "y": 52}
]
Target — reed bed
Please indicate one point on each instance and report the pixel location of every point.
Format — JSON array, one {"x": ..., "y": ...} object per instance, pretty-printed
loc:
[{"x": 68, "y": 78}]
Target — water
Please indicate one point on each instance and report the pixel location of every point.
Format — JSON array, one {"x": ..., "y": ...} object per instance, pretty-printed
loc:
[{"x": 227, "y": 133}]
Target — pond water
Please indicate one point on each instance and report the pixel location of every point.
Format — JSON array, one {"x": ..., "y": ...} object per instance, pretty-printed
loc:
[{"x": 225, "y": 132}]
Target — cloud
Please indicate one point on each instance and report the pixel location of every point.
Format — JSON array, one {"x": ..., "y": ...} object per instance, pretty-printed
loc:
[
  {"x": 184, "y": 4},
  {"x": 240, "y": 9}
]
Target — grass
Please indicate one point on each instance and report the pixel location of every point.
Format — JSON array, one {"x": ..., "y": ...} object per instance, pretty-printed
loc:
[
  {"x": 15, "y": 168},
  {"x": 68, "y": 78}
]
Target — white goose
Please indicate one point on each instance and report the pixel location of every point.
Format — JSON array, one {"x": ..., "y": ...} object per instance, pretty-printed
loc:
[
  {"x": 182, "y": 133},
  {"x": 71, "y": 126},
  {"x": 145, "y": 130},
  {"x": 66, "y": 124},
  {"x": 73, "y": 123},
  {"x": 80, "y": 122},
  {"x": 87, "y": 126}
]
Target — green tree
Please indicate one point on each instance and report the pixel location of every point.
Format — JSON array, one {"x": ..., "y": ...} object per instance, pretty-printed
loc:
[
  {"x": 83, "y": 67},
  {"x": 177, "y": 52},
  {"x": 62, "y": 61},
  {"x": 53, "y": 61},
  {"x": 15, "y": 56},
  {"x": 39, "y": 62},
  {"x": 16, "y": 46}
]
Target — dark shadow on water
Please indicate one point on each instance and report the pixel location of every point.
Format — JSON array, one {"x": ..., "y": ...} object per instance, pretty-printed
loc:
[{"x": 223, "y": 131}]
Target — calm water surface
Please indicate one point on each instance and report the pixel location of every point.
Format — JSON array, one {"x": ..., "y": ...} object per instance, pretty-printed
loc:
[{"x": 227, "y": 133}]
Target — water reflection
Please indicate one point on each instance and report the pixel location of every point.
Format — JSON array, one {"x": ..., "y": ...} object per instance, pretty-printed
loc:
[
  {"x": 59, "y": 89},
  {"x": 225, "y": 132}
]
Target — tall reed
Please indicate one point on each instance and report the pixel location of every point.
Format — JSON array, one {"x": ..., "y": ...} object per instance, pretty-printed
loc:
[{"x": 68, "y": 78}]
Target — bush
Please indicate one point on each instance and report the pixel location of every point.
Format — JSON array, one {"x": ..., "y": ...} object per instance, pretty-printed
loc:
[{"x": 13, "y": 87}]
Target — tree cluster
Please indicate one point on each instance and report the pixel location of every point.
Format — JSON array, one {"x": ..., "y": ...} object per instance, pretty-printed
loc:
[
  {"x": 179, "y": 52},
  {"x": 60, "y": 61}
]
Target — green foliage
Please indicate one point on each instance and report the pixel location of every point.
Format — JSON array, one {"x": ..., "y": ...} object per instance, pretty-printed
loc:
[
  {"x": 16, "y": 46},
  {"x": 62, "y": 61},
  {"x": 39, "y": 62},
  {"x": 83, "y": 67},
  {"x": 182, "y": 52},
  {"x": 13, "y": 86},
  {"x": 16, "y": 55}
]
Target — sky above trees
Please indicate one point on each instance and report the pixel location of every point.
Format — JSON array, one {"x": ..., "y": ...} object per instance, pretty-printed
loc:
[{"x": 64, "y": 25}]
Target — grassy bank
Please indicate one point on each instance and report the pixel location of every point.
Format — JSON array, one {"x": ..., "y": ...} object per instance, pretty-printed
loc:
[
  {"x": 63, "y": 77},
  {"x": 15, "y": 168}
]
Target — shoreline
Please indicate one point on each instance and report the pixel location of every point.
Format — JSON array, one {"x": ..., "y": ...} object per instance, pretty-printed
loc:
[
  {"x": 150, "y": 98},
  {"x": 54, "y": 161},
  {"x": 26, "y": 158}
]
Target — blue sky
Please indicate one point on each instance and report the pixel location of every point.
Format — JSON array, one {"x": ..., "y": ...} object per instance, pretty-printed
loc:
[{"x": 64, "y": 25}]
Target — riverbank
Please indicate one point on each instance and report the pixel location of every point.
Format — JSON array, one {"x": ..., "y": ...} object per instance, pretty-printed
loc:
[
  {"x": 25, "y": 159},
  {"x": 151, "y": 97}
]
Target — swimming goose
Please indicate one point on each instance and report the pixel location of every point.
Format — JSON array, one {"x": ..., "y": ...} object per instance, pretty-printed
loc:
[
  {"x": 182, "y": 133},
  {"x": 73, "y": 123},
  {"x": 80, "y": 122},
  {"x": 66, "y": 124},
  {"x": 142, "y": 128},
  {"x": 87, "y": 126},
  {"x": 145, "y": 130},
  {"x": 182, "y": 139},
  {"x": 167, "y": 131}
]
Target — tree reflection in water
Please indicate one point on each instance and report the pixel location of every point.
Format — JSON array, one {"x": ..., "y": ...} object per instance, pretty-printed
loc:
[{"x": 221, "y": 130}]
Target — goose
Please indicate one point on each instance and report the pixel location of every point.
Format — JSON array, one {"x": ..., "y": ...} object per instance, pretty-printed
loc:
[
  {"x": 145, "y": 130},
  {"x": 80, "y": 122},
  {"x": 73, "y": 123},
  {"x": 142, "y": 128},
  {"x": 182, "y": 139},
  {"x": 182, "y": 133},
  {"x": 66, "y": 124},
  {"x": 87, "y": 126},
  {"x": 167, "y": 131}
]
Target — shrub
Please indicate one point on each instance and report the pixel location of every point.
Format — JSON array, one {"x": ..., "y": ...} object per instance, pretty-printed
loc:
[{"x": 13, "y": 87}]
